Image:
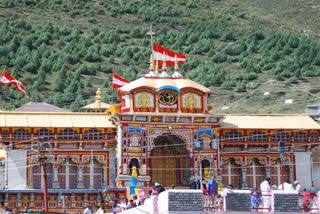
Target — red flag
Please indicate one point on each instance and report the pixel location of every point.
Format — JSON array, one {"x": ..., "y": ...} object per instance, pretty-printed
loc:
[
  {"x": 7, "y": 79},
  {"x": 170, "y": 55},
  {"x": 118, "y": 82}
]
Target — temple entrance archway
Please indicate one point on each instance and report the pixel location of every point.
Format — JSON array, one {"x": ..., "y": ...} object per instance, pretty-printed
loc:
[{"x": 170, "y": 161}]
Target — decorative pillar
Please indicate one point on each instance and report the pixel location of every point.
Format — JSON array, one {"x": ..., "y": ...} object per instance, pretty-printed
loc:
[
  {"x": 32, "y": 200},
  {"x": 244, "y": 184},
  {"x": 55, "y": 181},
  {"x": 80, "y": 177},
  {"x": 6, "y": 200},
  {"x": 18, "y": 198},
  {"x": 73, "y": 200},
  {"x": 288, "y": 162},
  {"x": 99, "y": 200},
  {"x": 60, "y": 200},
  {"x": 85, "y": 200}
]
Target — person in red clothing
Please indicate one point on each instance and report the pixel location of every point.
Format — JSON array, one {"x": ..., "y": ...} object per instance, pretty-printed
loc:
[{"x": 306, "y": 202}]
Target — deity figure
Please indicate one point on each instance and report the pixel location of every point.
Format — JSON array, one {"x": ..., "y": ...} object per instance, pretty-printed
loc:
[
  {"x": 191, "y": 101},
  {"x": 144, "y": 99},
  {"x": 206, "y": 172},
  {"x": 134, "y": 173}
]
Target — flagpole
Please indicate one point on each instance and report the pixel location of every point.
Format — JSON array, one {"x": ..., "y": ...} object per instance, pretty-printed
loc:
[{"x": 151, "y": 33}]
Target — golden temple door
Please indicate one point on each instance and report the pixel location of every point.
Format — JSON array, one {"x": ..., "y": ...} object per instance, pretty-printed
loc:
[{"x": 170, "y": 162}]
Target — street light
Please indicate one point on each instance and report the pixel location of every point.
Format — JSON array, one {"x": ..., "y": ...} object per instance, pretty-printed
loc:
[{"x": 198, "y": 146}]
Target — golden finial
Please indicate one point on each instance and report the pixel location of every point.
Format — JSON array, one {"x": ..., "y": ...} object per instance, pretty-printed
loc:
[
  {"x": 98, "y": 96},
  {"x": 157, "y": 69},
  {"x": 151, "y": 63},
  {"x": 164, "y": 65},
  {"x": 176, "y": 66}
]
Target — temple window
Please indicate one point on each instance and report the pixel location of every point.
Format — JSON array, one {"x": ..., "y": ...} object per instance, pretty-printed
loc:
[
  {"x": 93, "y": 175},
  {"x": 68, "y": 134},
  {"x": 281, "y": 136},
  {"x": 255, "y": 174},
  {"x": 300, "y": 137},
  {"x": 314, "y": 137},
  {"x": 45, "y": 133},
  {"x": 93, "y": 134},
  {"x": 21, "y": 134},
  {"x": 233, "y": 136},
  {"x": 257, "y": 136},
  {"x": 110, "y": 135},
  {"x": 73, "y": 172},
  {"x": 231, "y": 174},
  {"x": 5, "y": 134},
  {"x": 37, "y": 176},
  {"x": 275, "y": 173}
]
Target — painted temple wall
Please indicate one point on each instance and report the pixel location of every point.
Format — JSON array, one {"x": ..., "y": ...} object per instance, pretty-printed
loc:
[
  {"x": 17, "y": 166},
  {"x": 304, "y": 168}
]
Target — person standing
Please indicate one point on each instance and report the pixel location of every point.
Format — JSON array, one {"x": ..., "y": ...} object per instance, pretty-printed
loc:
[
  {"x": 212, "y": 186},
  {"x": 100, "y": 210},
  {"x": 88, "y": 210},
  {"x": 266, "y": 194},
  {"x": 297, "y": 186}
]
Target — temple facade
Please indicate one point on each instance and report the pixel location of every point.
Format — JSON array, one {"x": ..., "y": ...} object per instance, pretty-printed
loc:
[{"x": 92, "y": 154}]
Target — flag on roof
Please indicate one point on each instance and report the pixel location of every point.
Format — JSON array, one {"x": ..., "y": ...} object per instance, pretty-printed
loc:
[
  {"x": 158, "y": 51},
  {"x": 7, "y": 79},
  {"x": 118, "y": 82}
]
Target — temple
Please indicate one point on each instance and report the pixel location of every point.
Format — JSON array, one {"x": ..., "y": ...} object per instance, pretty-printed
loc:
[{"x": 151, "y": 135}]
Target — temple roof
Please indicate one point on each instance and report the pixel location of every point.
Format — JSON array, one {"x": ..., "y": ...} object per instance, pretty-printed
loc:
[
  {"x": 97, "y": 105},
  {"x": 47, "y": 120},
  {"x": 158, "y": 83},
  {"x": 39, "y": 107},
  {"x": 269, "y": 122}
]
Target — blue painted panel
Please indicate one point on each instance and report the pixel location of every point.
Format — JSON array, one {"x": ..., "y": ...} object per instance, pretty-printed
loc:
[{"x": 169, "y": 87}]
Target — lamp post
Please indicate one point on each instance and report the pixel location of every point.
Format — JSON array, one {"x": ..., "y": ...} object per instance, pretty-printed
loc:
[
  {"x": 281, "y": 149},
  {"x": 198, "y": 146}
]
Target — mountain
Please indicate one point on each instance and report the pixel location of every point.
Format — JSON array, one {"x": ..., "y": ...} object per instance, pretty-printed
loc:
[{"x": 253, "y": 54}]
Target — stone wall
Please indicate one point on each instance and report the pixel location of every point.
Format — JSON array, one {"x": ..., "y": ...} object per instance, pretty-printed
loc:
[
  {"x": 285, "y": 201},
  {"x": 238, "y": 200},
  {"x": 185, "y": 200}
]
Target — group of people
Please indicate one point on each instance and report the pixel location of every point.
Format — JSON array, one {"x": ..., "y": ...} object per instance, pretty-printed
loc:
[
  {"x": 261, "y": 199},
  {"x": 209, "y": 187}
]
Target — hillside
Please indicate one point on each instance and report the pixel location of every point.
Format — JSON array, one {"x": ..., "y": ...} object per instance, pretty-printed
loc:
[{"x": 63, "y": 50}]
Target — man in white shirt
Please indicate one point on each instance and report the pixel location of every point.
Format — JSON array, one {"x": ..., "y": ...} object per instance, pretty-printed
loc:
[
  {"x": 297, "y": 186},
  {"x": 88, "y": 210},
  {"x": 266, "y": 192}
]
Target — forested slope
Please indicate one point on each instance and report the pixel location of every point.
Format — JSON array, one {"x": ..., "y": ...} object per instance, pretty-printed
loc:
[{"x": 63, "y": 50}]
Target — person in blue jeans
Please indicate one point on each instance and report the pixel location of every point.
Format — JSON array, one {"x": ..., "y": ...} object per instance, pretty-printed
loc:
[{"x": 255, "y": 199}]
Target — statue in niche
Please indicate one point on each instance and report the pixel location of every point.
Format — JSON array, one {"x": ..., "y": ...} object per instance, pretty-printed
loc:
[
  {"x": 134, "y": 173},
  {"x": 206, "y": 172}
]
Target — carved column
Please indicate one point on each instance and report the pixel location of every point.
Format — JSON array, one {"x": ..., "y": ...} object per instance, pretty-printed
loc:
[
  {"x": 80, "y": 177},
  {"x": 244, "y": 184},
  {"x": 55, "y": 182}
]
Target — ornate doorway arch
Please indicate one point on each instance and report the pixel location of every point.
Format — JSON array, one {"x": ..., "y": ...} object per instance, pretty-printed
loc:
[{"x": 170, "y": 161}]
